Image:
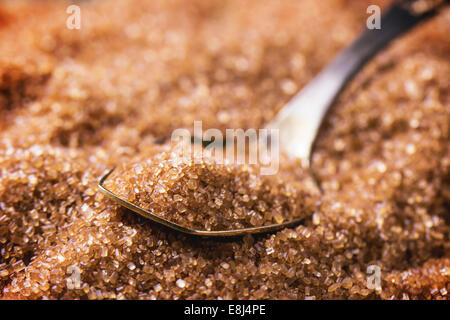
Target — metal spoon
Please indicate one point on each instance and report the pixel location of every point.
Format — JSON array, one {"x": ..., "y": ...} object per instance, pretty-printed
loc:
[{"x": 300, "y": 120}]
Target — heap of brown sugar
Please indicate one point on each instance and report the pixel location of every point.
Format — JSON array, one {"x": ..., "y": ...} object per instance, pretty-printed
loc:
[
  {"x": 205, "y": 194},
  {"x": 75, "y": 103}
]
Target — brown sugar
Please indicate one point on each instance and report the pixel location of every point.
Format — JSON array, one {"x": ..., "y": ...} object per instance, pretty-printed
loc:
[
  {"x": 205, "y": 194},
  {"x": 75, "y": 103}
]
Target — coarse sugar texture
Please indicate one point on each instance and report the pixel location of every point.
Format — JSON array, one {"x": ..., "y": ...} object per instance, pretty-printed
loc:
[
  {"x": 75, "y": 103},
  {"x": 205, "y": 193}
]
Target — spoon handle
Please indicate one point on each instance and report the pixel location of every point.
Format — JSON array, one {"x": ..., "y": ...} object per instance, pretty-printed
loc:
[{"x": 300, "y": 120}]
